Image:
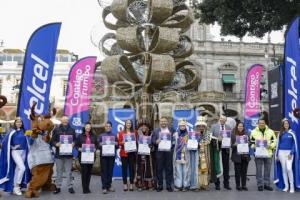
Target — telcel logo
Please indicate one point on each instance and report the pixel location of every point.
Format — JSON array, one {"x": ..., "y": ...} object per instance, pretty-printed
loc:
[{"x": 292, "y": 91}]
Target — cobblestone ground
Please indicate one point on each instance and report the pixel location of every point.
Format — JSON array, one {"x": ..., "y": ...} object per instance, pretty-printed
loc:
[{"x": 96, "y": 194}]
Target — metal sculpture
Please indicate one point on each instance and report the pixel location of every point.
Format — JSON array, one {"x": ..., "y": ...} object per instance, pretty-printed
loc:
[{"x": 147, "y": 49}]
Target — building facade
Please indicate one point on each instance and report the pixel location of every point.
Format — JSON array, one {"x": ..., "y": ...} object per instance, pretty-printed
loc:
[
  {"x": 223, "y": 66},
  {"x": 11, "y": 65}
]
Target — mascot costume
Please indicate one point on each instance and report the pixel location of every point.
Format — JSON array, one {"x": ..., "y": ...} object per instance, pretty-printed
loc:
[{"x": 40, "y": 157}]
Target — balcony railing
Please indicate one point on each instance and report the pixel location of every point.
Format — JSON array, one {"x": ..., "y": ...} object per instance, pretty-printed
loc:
[{"x": 239, "y": 96}]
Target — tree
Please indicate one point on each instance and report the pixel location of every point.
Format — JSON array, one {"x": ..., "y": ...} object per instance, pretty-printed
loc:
[{"x": 239, "y": 17}]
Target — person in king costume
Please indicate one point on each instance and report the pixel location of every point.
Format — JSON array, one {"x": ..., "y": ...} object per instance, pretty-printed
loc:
[{"x": 209, "y": 162}]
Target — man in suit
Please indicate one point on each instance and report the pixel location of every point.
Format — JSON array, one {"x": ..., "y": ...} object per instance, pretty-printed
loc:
[
  {"x": 216, "y": 132},
  {"x": 164, "y": 158}
]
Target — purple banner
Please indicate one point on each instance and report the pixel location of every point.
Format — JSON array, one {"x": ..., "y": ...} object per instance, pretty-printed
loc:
[
  {"x": 79, "y": 90},
  {"x": 252, "y": 98}
]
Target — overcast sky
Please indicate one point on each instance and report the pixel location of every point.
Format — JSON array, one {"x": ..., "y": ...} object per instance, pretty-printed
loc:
[{"x": 19, "y": 18}]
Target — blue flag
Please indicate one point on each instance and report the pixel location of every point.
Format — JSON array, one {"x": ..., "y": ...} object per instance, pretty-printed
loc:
[
  {"x": 291, "y": 97},
  {"x": 189, "y": 115},
  {"x": 118, "y": 118},
  {"x": 292, "y": 74},
  {"x": 37, "y": 71}
]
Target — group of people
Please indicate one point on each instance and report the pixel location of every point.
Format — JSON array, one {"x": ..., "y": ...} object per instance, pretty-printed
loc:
[{"x": 187, "y": 160}]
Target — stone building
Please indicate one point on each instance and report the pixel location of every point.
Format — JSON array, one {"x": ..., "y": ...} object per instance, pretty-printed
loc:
[
  {"x": 11, "y": 65},
  {"x": 223, "y": 67}
]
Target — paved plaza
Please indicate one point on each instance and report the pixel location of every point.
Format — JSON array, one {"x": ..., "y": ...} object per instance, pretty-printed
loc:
[{"x": 96, "y": 194}]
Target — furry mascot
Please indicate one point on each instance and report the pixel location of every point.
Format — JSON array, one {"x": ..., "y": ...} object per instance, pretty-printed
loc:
[{"x": 40, "y": 157}]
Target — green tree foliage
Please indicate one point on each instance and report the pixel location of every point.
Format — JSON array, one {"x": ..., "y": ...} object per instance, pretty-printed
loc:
[{"x": 239, "y": 17}]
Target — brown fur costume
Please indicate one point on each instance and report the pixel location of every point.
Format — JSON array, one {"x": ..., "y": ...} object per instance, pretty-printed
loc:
[{"x": 41, "y": 174}]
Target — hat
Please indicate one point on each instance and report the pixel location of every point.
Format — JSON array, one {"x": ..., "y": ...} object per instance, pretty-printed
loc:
[
  {"x": 201, "y": 121},
  {"x": 182, "y": 122},
  {"x": 142, "y": 122}
]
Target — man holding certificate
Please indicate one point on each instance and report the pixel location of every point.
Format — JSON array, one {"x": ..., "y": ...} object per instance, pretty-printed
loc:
[
  {"x": 86, "y": 145},
  {"x": 221, "y": 131},
  {"x": 263, "y": 141},
  {"x": 63, "y": 139},
  {"x": 162, "y": 139},
  {"x": 240, "y": 156}
]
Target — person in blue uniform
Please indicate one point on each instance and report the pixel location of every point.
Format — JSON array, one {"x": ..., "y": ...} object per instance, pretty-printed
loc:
[
  {"x": 14, "y": 170},
  {"x": 287, "y": 160}
]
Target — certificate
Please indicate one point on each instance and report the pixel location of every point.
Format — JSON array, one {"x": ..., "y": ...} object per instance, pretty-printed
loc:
[
  {"x": 165, "y": 141},
  {"x": 226, "y": 140},
  {"x": 192, "y": 143},
  {"x": 66, "y": 146},
  {"x": 242, "y": 144},
  {"x": 261, "y": 150},
  {"x": 129, "y": 143},
  {"x": 108, "y": 145},
  {"x": 88, "y": 153},
  {"x": 144, "y": 142}
]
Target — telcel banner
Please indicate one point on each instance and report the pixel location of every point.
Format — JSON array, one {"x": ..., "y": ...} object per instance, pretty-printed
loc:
[{"x": 37, "y": 72}]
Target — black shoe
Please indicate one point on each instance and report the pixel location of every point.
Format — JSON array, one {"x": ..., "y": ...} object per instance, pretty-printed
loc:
[
  {"x": 218, "y": 188},
  {"x": 227, "y": 187},
  {"x": 238, "y": 188},
  {"x": 71, "y": 190},
  {"x": 269, "y": 188},
  {"x": 170, "y": 189},
  {"x": 260, "y": 188},
  {"x": 159, "y": 189},
  {"x": 57, "y": 190},
  {"x": 245, "y": 188}
]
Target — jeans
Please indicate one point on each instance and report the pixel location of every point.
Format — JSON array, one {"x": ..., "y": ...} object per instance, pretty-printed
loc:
[
  {"x": 64, "y": 164},
  {"x": 263, "y": 178}
]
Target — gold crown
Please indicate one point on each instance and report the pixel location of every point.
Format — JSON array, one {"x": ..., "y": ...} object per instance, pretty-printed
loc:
[
  {"x": 182, "y": 122},
  {"x": 201, "y": 121}
]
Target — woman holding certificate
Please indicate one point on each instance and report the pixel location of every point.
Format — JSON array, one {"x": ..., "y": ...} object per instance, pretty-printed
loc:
[
  {"x": 240, "y": 156},
  {"x": 108, "y": 143},
  {"x": 86, "y": 145},
  {"x": 127, "y": 144},
  {"x": 144, "y": 164},
  {"x": 287, "y": 159}
]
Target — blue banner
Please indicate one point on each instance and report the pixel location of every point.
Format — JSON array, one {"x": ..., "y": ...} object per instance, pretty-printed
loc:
[
  {"x": 118, "y": 118},
  {"x": 189, "y": 115},
  {"x": 37, "y": 71},
  {"x": 292, "y": 75},
  {"x": 291, "y": 94}
]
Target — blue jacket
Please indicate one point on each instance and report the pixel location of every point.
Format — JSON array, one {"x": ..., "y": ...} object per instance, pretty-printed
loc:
[
  {"x": 278, "y": 178},
  {"x": 7, "y": 165}
]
